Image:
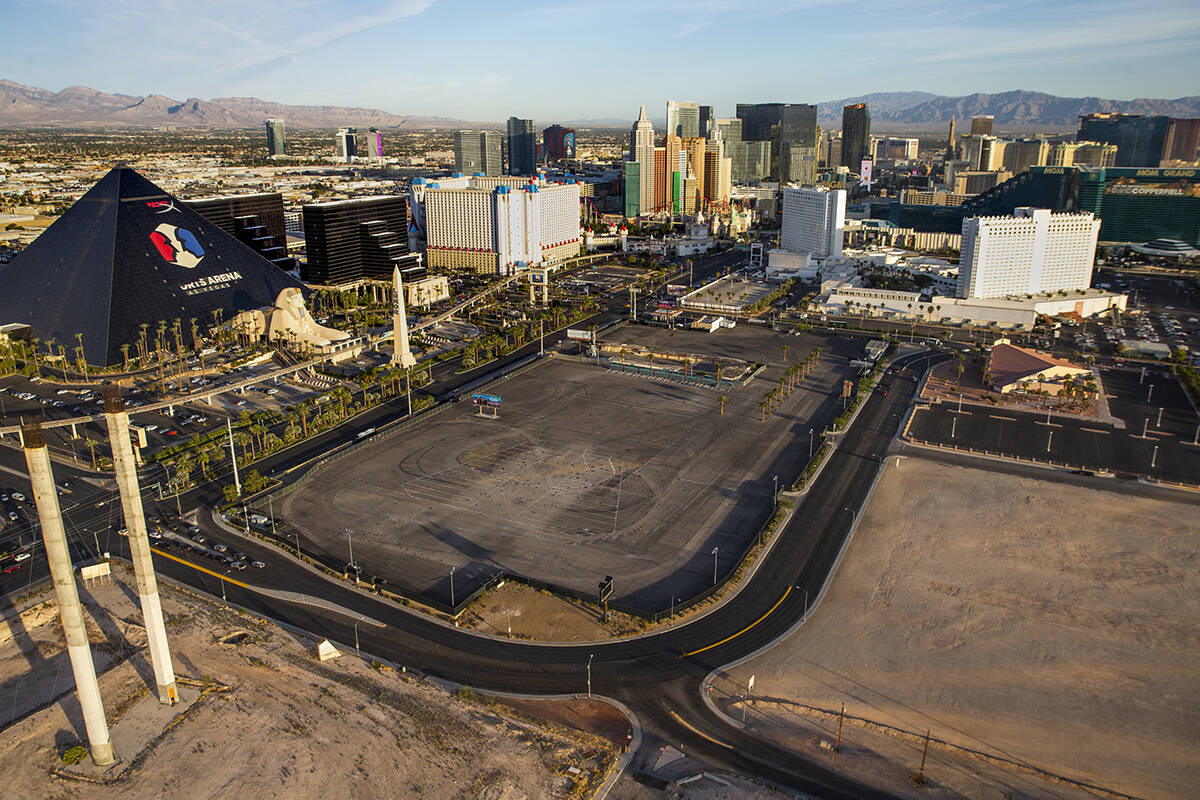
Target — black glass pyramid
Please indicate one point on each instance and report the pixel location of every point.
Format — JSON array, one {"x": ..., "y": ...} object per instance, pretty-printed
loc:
[{"x": 125, "y": 254}]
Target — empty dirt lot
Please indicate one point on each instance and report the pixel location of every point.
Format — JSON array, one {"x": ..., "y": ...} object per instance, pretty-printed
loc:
[
  {"x": 586, "y": 473},
  {"x": 275, "y": 722},
  {"x": 1047, "y": 624}
]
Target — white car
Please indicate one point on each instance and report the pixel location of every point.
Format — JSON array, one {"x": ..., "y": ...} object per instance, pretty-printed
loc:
[
  {"x": 21, "y": 556},
  {"x": 20, "y": 498}
]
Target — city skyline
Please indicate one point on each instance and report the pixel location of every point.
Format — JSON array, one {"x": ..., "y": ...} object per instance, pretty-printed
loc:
[{"x": 319, "y": 53}]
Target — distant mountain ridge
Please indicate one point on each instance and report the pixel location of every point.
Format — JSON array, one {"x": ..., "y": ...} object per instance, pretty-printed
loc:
[
  {"x": 1015, "y": 109},
  {"x": 26, "y": 106}
]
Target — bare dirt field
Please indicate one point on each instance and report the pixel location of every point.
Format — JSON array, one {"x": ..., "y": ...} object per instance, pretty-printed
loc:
[
  {"x": 586, "y": 473},
  {"x": 277, "y": 723},
  {"x": 1048, "y": 625}
]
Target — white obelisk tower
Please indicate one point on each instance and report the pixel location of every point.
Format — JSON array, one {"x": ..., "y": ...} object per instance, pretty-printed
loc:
[{"x": 401, "y": 355}]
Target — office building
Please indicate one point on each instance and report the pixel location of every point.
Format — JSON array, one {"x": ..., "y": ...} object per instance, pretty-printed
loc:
[
  {"x": 830, "y": 154},
  {"x": 706, "y": 121},
  {"x": 522, "y": 146},
  {"x": 348, "y": 240},
  {"x": 856, "y": 136},
  {"x": 1143, "y": 141},
  {"x": 968, "y": 181},
  {"x": 792, "y": 130},
  {"x": 641, "y": 150},
  {"x": 347, "y": 144},
  {"x": 478, "y": 152},
  {"x": 1067, "y": 154},
  {"x": 1021, "y": 154},
  {"x": 1133, "y": 204},
  {"x": 276, "y": 141},
  {"x": 683, "y": 120},
  {"x": 255, "y": 220},
  {"x": 558, "y": 143},
  {"x": 631, "y": 179},
  {"x": 127, "y": 254},
  {"x": 499, "y": 226},
  {"x": 895, "y": 148},
  {"x": 983, "y": 153},
  {"x": 981, "y": 125},
  {"x": 813, "y": 221},
  {"x": 1031, "y": 252},
  {"x": 375, "y": 143}
]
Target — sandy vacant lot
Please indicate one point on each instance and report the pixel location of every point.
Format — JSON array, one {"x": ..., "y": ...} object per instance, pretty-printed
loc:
[
  {"x": 288, "y": 726},
  {"x": 1047, "y": 624}
]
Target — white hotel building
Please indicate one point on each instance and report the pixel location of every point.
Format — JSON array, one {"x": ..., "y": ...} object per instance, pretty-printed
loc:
[
  {"x": 814, "y": 221},
  {"x": 1031, "y": 252},
  {"x": 494, "y": 225}
]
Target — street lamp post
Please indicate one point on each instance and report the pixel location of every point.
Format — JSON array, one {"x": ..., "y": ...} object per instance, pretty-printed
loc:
[
  {"x": 452, "y": 587},
  {"x": 853, "y": 517},
  {"x": 356, "y": 647},
  {"x": 352, "y": 565},
  {"x": 715, "y": 556},
  {"x": 776, "y": 479},
  {"x": 589, "y": 670},
  {"x": 810, "y": 443}
]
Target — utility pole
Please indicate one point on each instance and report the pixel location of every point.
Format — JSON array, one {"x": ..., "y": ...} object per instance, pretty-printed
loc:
[
  {"x": 841, "y": 719},
  {"x": 921, "y": 771},
  {"x": 233, "y": 456}
]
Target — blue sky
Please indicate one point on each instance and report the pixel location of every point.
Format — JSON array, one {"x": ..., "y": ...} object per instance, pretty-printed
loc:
[{"x": 598, "y": 58}]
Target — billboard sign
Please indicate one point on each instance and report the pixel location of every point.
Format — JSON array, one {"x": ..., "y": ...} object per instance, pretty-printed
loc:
[
  {"x": 865, "y": 171},
  {"x": 579, "y": 335},
  {"x": 490, "y": 400}
]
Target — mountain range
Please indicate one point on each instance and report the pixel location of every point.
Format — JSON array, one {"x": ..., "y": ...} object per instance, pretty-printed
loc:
[{"x": 1018, "y": 110}]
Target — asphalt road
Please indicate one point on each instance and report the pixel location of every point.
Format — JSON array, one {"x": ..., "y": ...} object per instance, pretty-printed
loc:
[{"x": 658, "y": 676}]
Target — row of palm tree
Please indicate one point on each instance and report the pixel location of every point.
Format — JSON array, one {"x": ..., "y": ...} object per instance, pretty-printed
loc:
[{"x": 788, "y": 382}]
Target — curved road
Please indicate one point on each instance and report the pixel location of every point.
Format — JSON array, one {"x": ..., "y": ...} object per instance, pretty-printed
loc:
[{"x": 659, "y": 675}]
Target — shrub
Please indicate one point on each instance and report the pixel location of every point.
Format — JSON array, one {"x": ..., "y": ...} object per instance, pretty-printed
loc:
[{"x": 73, "y": 755}]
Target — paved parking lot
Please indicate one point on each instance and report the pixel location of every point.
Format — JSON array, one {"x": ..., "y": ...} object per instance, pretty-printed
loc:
[
  {"x": 1166, "y": 451},
  {"x": 586, "y": 473}
]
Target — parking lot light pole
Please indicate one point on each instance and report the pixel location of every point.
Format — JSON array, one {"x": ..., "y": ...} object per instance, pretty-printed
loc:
[
  {"x": 776, "y": 479},
  {"x": 810, "y": 443},
  {"x": 1154, "y": 457},
  {"x": 953, "y": 427},
  {"x": 590, "y": 657},
  {"x": 1158, "y": 424},
  {"x": 1049, "y": 439},
  {"x": 350, "y": 544},
  {"x": 715, "y": 556},
  {"x": 1196, "y": 439},
  {"x": 1149, "y": 393},
  {"x": 452, "y": 587}
]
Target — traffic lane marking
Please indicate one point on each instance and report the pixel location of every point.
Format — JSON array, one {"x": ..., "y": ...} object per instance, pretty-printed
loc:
[
  {"x": 187, "y": 563},
  {"x": 743, "y": 630},
  {"x": 699, "y": 733},
  {"x": 285, "y": 596}
]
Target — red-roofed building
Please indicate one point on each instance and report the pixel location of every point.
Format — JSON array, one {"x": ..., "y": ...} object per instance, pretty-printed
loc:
[{"x": 1011, "y": 367}]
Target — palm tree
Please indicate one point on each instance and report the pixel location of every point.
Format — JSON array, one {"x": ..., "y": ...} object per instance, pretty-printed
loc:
[
  {"x": 717, "y": 366},
  {"x": 203, "y": 458},
  {"x": 82, "y": 357},
  {"x": 762, "y": 407},
  {"x": 785, "y": 352},
  {"x": 125, "y": 358},
  {"x": 91, "y": 445},
  {"x": 722, "y": 398},
  {"x": 243, "y": 440}
]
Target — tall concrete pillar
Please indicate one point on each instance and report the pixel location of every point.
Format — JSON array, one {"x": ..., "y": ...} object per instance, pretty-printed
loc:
[
  {"x": 87, "y": 688},
  {"x": 125, "y": 468}
]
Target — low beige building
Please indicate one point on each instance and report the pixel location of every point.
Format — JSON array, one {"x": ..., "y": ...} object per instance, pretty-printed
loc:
[
  {"x": 427, "y": 291},
  {"x": 1011, "y": 368}
]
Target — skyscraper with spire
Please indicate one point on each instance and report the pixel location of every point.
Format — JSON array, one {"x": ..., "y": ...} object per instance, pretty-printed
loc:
[
  {"x": 951, "y": 146},
  {"x": 641, "y": 150}
]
